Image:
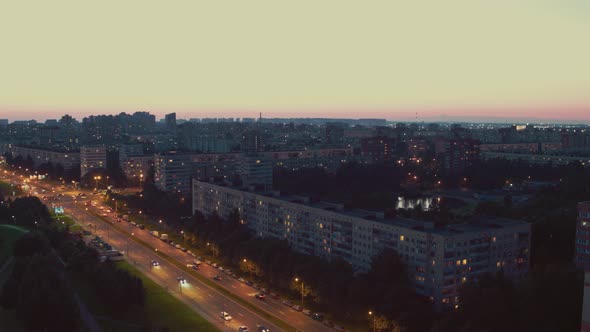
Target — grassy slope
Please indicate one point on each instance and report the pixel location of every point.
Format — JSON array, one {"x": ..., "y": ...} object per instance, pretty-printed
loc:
[{"x": 161, "y": 309}]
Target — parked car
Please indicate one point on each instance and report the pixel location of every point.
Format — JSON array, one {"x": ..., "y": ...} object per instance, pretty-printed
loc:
[
  {"x": 183, "y": 249},
  {"x": 317, "y": 316},
  {"x": 249, "y": 283},
  {"x": 260, "y": 296},
  {"x": 297, "y": 308},
  {"x": 214, "y": 265},
  {"x": 306, "y": 312},
  {"x": 329, "y": 323},
  {"x": 217, "y": 277},
  {"x": 339, "y": 328},
  {"x": 287, "y": 303},
  {"x": 242, "y": 329},
  {"x": 274, "y": 295},
  {"x": 177, "y": 246},
  {"x": 200, "y": 258},
  {"x": 181, "y": 280},
  {"x": 241, "y": 280}
]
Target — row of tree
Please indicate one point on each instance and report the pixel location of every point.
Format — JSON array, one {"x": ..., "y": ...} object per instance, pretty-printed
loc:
[{"x": 37, "y": 289}]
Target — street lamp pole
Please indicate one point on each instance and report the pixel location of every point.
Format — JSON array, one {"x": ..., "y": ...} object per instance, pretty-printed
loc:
[
  {"x": 374, "y": 321},
  {"x": 302, "y": 290}
]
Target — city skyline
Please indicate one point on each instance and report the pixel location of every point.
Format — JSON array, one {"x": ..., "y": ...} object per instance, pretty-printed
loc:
[{"x": 388, "y": 60}]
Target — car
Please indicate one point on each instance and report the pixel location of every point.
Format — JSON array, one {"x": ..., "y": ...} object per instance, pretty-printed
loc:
[
  {"x": 241, "y": 280},
  {"x": 189, "y": 252},
  {"x": 339, "y": 328},
  {"x": 257, "y": 286},
  {"x": 200, "y": 258},
  {"x": 235, "y": 275},
  {"x": 221, "y": 269},
  {"x": 193, "y": 254},
  {"x": 225, "y": 316},
  {"x": 133, "y": 223},
  {"x": 287, "y": 303},
  {"x": 208, "y": 262},
  {"x": 183, "y": 249},
  {"x": 141, "y": 226},
  {"x": 172, "y": 243},
  {"x": 297, "y": 308},
  {"x": 265, "y": 291},
  {"x": 192, "y": 266},
  {"x": 195, "y": 267},
  {"x": 263, "y": 328},
  {"x": 155, "y": 263},
  {"x": 242, "y": 329},
  {"x": 249, "y": 283},
  {"x": 329, "y": 323},
  {"x": 227, "y": 271},
  {"x": 260, "y": 296},
  {"x": 214, "y": 265},
  {"x": 317, "y": 316},
  {"x": 177, "y": 246},
  {"x": 274, "y": 295},
  {"x": 217, "y": 277},
  {"x": 181, "y": 280}
]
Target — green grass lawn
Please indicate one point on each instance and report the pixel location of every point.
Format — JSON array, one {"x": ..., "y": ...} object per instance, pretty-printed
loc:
[
  {"x": 161, "y": 309},
  {"x": 6, "y": 189}
]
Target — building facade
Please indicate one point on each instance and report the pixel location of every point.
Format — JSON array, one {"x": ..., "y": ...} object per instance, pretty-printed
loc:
[
  {"x": 66, "y": 159},
  {"x": 92, "y": 157},
  {"x": 172, "y": 172},
  {"x": 439, "y": 260}
]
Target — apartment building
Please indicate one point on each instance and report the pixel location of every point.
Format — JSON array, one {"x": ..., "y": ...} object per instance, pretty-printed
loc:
[
  {"x": 537, "y": 159},
  {"x": 67, "y": 159},
  {"x": 439, "y": 259},
  {"x": 92, "y": 157},
  {"x": 172, "y": 172}
]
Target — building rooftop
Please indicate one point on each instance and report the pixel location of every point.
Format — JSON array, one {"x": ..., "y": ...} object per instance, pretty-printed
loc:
[{"x": 477, "y": 224}]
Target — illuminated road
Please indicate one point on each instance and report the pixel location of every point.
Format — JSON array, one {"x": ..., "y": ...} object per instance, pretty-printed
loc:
[{"x": 204, "y": 299}]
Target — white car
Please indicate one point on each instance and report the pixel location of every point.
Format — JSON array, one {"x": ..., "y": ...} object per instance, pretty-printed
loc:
[
  {"x": 242, "y": 329},
  {"x": 225, "y": 316}
]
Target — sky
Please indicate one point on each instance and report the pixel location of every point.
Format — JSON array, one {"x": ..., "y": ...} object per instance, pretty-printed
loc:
[{"x": 526, "y": 59}]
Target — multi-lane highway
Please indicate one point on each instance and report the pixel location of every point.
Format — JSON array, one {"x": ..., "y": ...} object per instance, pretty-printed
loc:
[{"x": 204, "y": 299}]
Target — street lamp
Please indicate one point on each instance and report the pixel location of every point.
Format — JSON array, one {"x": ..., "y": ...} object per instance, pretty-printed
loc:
[
  {"x": 374, "y": 320},
  {"x": 183, "y": 237},
  {"x": 302, "y": 289},
  {"x": 96, "y": 178}
]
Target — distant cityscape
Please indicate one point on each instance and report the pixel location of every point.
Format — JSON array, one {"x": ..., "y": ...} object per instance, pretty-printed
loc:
[{"x": 438, "y": 215}]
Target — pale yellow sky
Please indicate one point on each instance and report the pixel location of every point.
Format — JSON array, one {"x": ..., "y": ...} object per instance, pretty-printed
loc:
[{"x": 294, "y": 57}]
